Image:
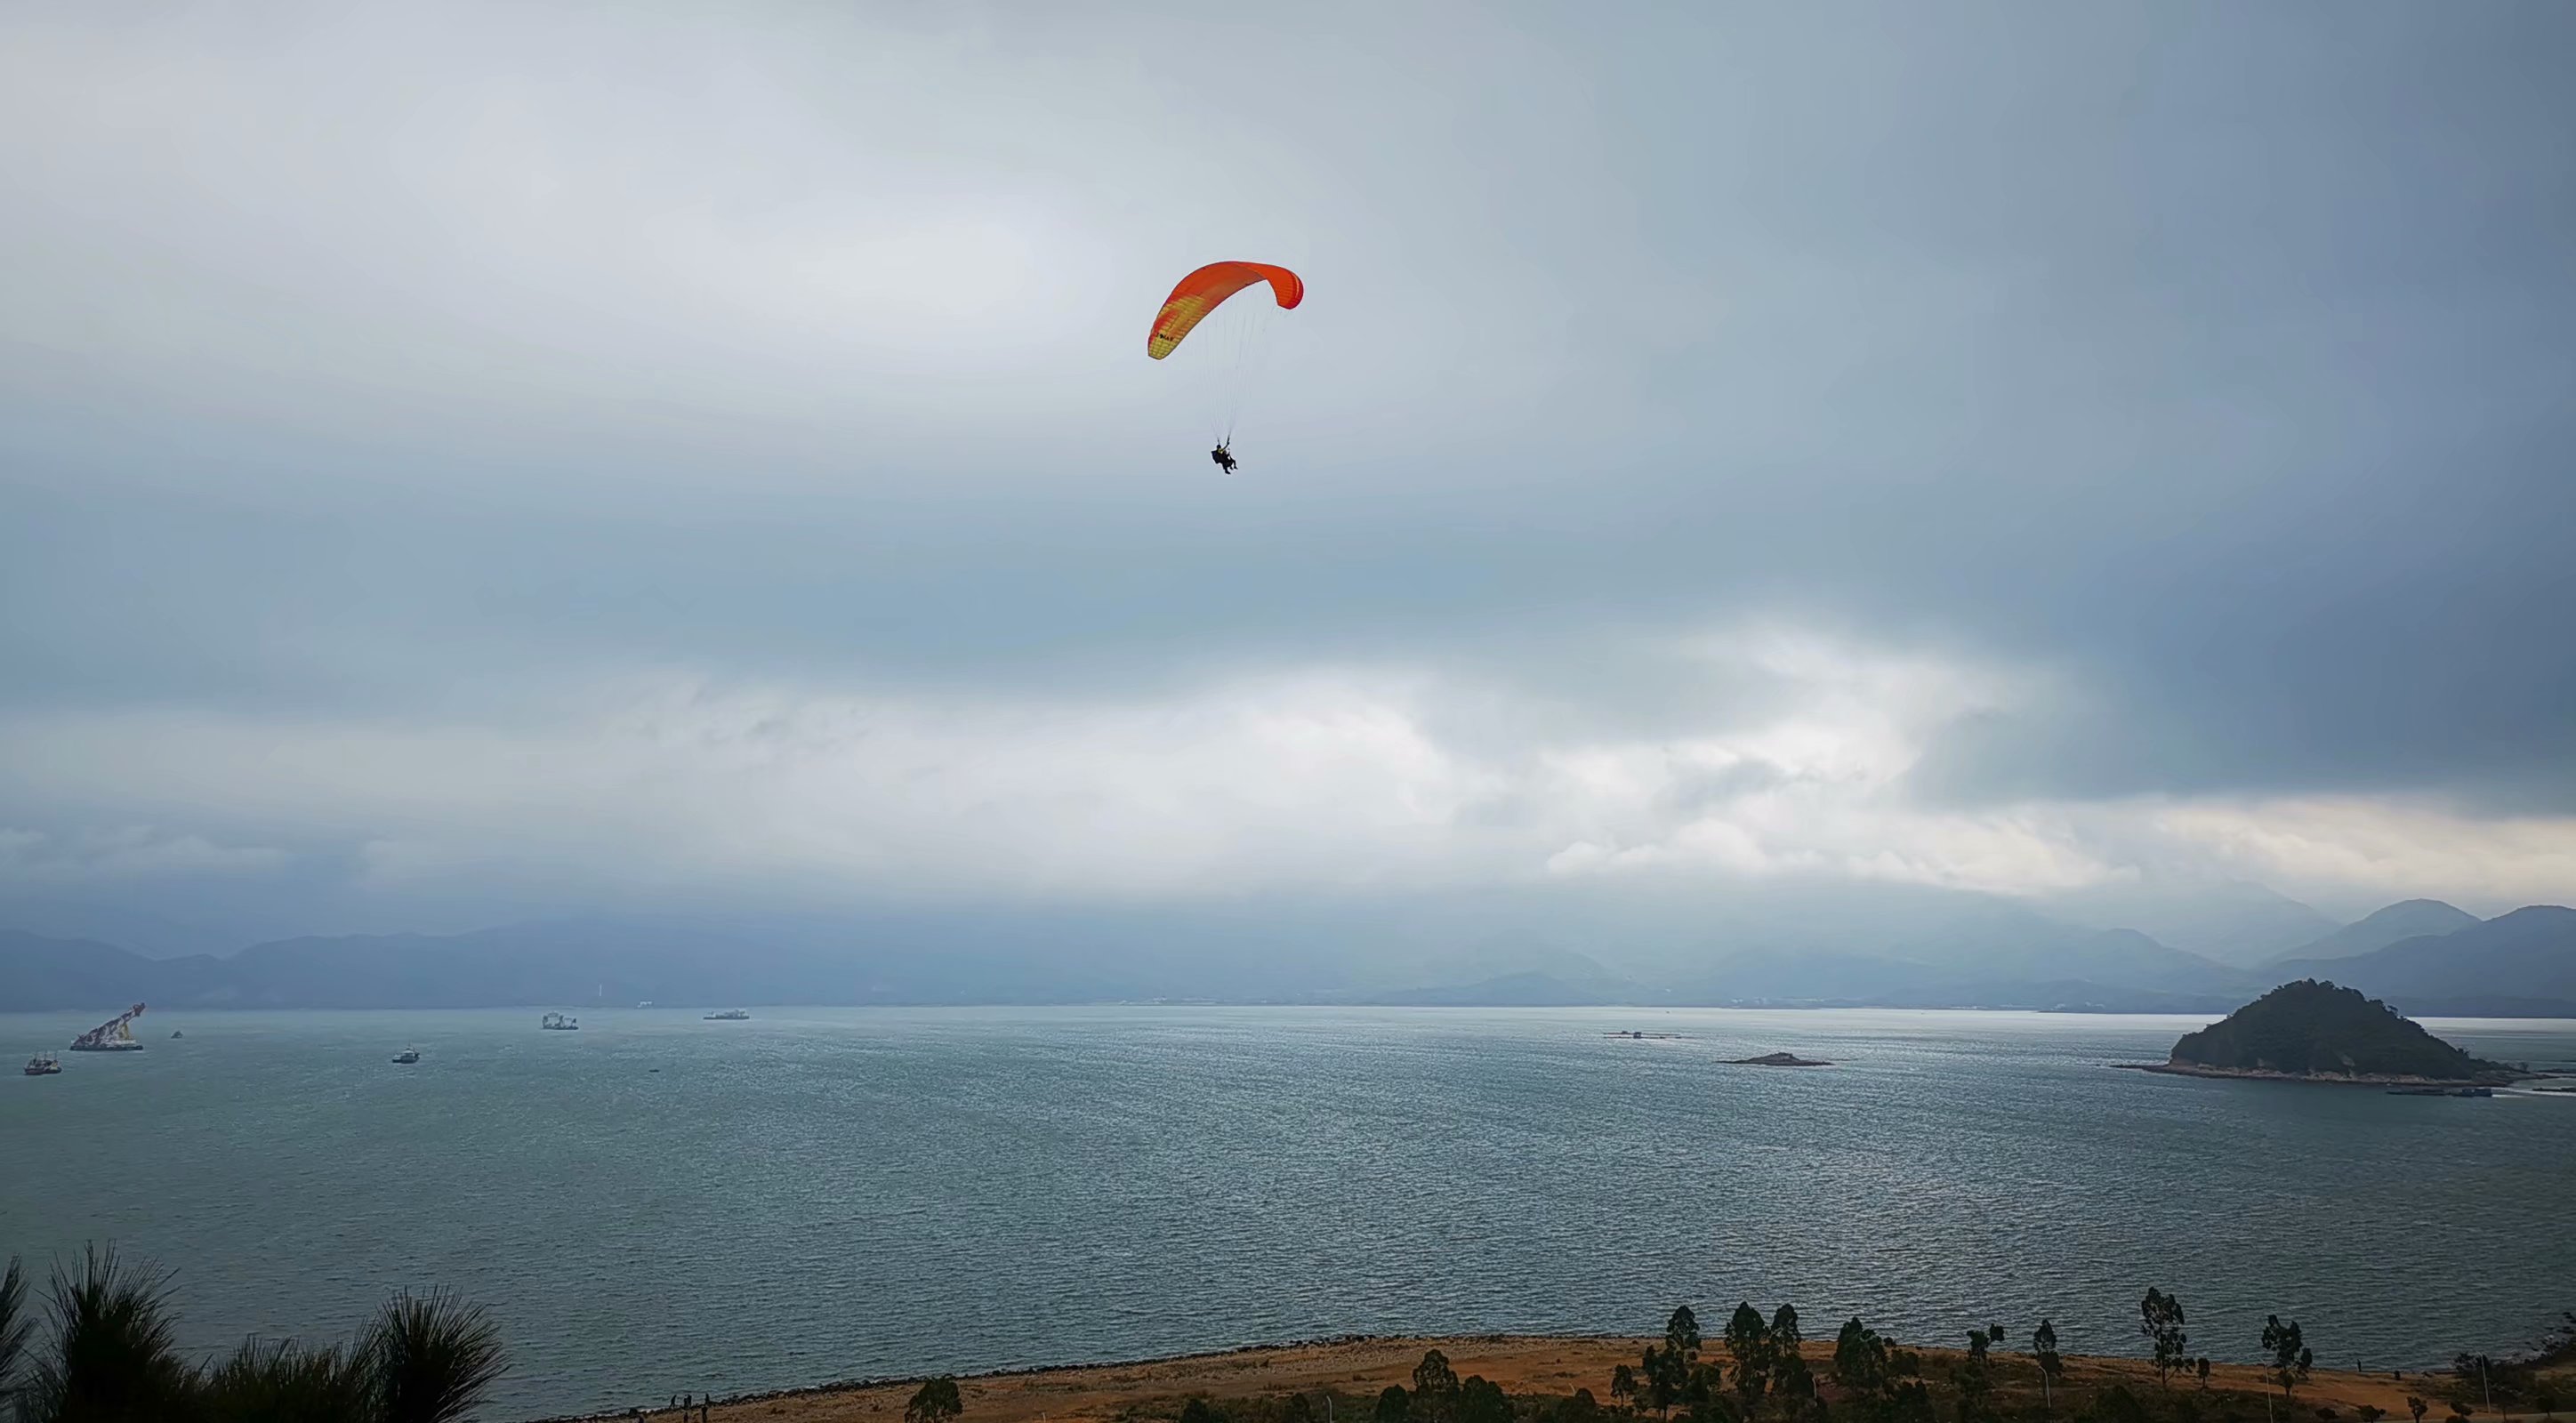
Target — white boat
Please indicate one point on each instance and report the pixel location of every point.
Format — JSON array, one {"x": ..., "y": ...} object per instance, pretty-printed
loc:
[
  {"x": 559, "y": 1022},
  {"x": 43, "y": 1064},
  {"x": 729, "y": 1015},
  {"x": 408, "y": 1055}
]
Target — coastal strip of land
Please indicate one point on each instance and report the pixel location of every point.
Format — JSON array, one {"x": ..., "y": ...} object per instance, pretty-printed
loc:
[
  {"x": 2328, "y": 1079},
  {"x": 1357, "y": 1368}
]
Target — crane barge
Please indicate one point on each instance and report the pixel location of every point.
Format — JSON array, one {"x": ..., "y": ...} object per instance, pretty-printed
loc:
[{"x": 114, "y": 1035}]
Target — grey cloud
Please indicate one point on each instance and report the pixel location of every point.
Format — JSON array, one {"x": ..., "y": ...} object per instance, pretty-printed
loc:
[{"x": 2210, "y": 362}]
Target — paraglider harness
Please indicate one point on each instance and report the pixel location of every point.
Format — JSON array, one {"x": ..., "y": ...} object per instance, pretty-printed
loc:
[{"x": 1224, "y": 458}]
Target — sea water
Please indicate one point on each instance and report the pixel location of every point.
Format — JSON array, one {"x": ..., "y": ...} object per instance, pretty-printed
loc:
[{"x": 656, "y": 1204}]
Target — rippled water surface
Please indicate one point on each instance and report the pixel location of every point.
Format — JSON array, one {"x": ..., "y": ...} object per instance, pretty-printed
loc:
[{"x": 656, "y": 1204}]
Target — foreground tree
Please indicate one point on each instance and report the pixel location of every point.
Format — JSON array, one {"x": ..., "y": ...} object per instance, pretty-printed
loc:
[
  {"x": 1670, "y": 1374},
  {"x": 1435, "y": 1390},
  {"x": 2415, "y": 1407},
  {"x": 1972, "y": 1379},
  {"x": 15, "y": 1324},
  {"x": 1860, "y": 1360},
  {"x": 2290, "y": 1356},
  {"x": 433, "y": 1359},
  {"x": 936, "y": 1401},
  {"x": 109, "y": 1358},
  {"x": 1790, "y": 1379},
  {"x": 1708, "y": 1400},
  {"x": 2043, "y": 1351},
  {"x": 1480, "y": 1400},
  {"x": 2160, "y": 1320},
  {"x": 284, "y": 1383},
  {"x": 1748, "y": 1343},
  {"x": 2118, "y": 1405},
  {"x": 111, "y": 1355},
  {"x": 1392, "y": 1404}
]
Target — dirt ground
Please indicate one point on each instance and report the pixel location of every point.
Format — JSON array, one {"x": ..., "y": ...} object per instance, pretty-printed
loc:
[{"x": 1359, "y": 1368}]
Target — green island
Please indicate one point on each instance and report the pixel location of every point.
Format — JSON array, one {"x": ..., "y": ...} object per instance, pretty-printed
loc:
[{"x": 2313, "y": 1031}]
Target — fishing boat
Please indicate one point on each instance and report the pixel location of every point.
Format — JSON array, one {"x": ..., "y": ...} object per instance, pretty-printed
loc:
[
  {"x": 559, "y": 1023},
  {"x": 408, "y": 1055},
  {"x": 729, "y": 1015},
  {"x": 43, "y": 1064}
]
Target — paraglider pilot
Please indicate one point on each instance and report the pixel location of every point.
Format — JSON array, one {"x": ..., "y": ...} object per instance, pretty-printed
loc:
[{"x": 1224, "y": 458}]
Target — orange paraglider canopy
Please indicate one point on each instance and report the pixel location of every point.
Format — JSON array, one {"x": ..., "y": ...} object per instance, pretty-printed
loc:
[{"x": 1206, "y": 289}]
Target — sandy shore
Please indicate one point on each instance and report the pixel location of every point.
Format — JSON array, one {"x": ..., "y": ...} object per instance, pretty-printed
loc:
[{"x": 1360, "y": 1367}]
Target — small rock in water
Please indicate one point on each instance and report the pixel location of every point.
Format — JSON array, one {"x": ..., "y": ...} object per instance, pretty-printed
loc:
[{"x": 1779, "y": 1059}]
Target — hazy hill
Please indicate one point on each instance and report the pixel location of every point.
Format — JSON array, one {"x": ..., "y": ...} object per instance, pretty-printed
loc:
[
  {"x": 1967, "y": 952},
  {"x": 38, "y": 973},
  {"x": 2233, "y": 923},
  {"x": 1898, "y": 948},
  {"x": 1518, "y": 990},
  {"x": 928, "y": 957},
  {"x": 2407, "y": 919},
  {"x": 2314, "y": 1029},
  {"x": 2523, "y": 963}
]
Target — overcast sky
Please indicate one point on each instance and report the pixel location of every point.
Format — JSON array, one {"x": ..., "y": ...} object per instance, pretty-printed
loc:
[{"x": 462, "y": 460}]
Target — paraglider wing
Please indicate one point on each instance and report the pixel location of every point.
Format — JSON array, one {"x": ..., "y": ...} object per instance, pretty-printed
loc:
[{"x": 1206, "y": 289}]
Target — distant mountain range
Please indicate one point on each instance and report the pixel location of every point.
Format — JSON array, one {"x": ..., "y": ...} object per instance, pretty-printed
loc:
[
  {"x": 1892, "y": 947},
  {"x": 2230, "y": 922},
  {"x": 2407, "y": 919},
  {"x": 2521, "y": 964}
]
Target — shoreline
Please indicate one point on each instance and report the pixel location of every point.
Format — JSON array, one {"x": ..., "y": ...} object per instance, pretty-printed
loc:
[
  {"x": 2326, "y": 1079},
  {"x": 1356, "y": 1366}
]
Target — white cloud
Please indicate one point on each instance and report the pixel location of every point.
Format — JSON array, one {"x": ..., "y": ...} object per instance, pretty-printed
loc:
[
  {"x": 1321, "y": 778},
  {"x": 30, "y": 858},
  {"x": 2396, "y": 848}
]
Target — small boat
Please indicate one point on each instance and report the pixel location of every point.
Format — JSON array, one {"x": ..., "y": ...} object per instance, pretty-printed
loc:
[
  {"x": 174, "y": 1032},
  {"x": 647, "y": 1003},
  {"x": 729, "y": 1015},
  {"x": 559, "y": 1023},
  {"x": 408, "y": 1055},
  {"x": 43, "y": 1064}
]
